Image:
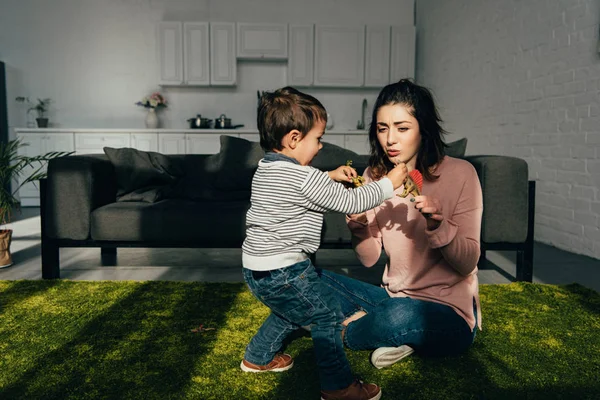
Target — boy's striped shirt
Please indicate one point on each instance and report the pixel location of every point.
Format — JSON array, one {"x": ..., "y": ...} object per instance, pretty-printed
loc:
[{"x": 283, "y": 225}]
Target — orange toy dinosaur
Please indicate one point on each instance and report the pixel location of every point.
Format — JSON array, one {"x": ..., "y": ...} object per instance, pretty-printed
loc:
[{"x": 413, "y": 184}]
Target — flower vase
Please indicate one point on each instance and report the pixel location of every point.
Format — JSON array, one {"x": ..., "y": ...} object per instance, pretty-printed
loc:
[{"x": 151, "y": 119}]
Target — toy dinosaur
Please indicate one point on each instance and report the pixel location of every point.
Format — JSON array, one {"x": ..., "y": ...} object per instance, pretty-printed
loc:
[
  {"x": 357, "y": 181},
  {"x": 413, "y": 184}
]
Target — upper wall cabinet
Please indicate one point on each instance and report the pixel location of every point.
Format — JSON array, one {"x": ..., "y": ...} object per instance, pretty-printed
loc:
[
  {"x": 196, "y": 58},
  {"x": 339, "y": 56},
  {"x": 170, "y": 52},
  {"x": 183, "y": 53},
  {"x": 196, "y": 53},
  {"x": 262, "y": 41},
  {"x": 403, "y": 53},
  {"x": 377, "y": 57},
  {"x": 205, "y": 54},
  {"x": 302, "y": 50},
  {"x": 223, "y": 68}
]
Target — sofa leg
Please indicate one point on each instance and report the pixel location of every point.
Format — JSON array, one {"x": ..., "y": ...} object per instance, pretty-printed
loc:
[
  {"x": 525, "y": 256},
  {"x": 525, "y": 265},
  {"x": 108, "y": 256},
  {"x": 50, "y": 260},
  {"x": 482, "y": 259},
  {"x": 108, "y": 251}
]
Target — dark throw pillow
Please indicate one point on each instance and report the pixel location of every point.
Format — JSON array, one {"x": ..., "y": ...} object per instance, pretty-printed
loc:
[
  {"x": 198, "y": 184},
  {"x": 239, "y": 161},
  {"x": 143, "y": 176},
  {"x": 457, "y": 148}
]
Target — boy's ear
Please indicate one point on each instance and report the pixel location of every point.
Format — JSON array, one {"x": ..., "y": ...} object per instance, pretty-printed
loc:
[{"x": 293, "y": 137}]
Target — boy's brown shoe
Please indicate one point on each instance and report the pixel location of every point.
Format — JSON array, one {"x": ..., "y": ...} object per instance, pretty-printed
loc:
[
  {"x": 356, "y": 391},
  {"x": 281, "y": 362}
]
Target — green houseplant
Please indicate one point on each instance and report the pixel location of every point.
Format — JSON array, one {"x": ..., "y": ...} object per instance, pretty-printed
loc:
[
  {"x": 17, "y": 167},
  {"x": 41, "y": 107}
]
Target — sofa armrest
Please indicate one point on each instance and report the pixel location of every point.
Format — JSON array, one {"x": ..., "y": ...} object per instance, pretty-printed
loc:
[
  {"x": 76, "y": 186},
  {"x": 504, "y": 182}
]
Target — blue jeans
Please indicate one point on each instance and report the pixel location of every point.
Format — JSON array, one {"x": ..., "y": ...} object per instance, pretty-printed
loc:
[
  {"x": 430, "y": 328},
  {"x": 297, "y": 296}
]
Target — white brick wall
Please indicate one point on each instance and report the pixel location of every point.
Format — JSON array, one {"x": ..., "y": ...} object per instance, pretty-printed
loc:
[{"x": 522, "y": 78}]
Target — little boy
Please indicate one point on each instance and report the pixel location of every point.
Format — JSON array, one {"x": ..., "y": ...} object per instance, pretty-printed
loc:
[{"x": 284, "y": 224}]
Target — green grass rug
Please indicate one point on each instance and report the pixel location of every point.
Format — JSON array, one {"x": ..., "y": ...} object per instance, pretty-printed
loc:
[{"x": 75, "y": 340}]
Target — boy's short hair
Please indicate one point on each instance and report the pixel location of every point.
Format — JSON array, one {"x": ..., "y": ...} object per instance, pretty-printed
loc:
[{"x": 284, "y": 110}]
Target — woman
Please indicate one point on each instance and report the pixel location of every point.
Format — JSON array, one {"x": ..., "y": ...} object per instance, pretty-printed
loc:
[{"x": 429, "y": 298}]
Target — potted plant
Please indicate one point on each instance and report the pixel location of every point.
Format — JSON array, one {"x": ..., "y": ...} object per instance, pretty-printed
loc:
[
  {"x": 41, "y": 107},
  {"x": 152, "y": 102},
  {"x": 16, "y": 167}
]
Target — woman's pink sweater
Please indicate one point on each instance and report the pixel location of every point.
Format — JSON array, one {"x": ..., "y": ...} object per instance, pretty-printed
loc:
[{"x": 438, "y": 265}]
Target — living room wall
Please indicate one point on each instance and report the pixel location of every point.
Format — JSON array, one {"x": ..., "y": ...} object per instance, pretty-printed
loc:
[
  {"x": 522, "y": 78},
  {"x": 95, "y": 59}
]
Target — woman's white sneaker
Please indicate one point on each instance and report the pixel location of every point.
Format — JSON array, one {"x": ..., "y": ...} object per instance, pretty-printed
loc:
[{"x": 386, "y": 356}]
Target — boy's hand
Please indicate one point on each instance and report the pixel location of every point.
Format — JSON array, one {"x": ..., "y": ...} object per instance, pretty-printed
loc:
[
  {"x": 398, "y": 175},
  {"x": 343, "y": 174}
]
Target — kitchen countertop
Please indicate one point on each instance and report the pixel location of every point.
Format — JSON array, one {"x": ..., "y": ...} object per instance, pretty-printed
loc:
[{"x": 200, "y": 131}]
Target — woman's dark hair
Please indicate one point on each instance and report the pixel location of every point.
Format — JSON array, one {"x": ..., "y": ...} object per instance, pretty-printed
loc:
[
  {"x": 284, "y": 110},
  {"x": 419, "y": 102}
]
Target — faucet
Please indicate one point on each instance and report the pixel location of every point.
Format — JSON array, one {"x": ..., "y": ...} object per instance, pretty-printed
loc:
[{"x": 361, "y": 123}]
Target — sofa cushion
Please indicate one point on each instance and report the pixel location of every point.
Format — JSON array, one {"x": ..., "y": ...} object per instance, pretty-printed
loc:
[
  {"x": 457, "y": 148},
  {"x": 221, "y": 224},
  {"x": 238, "y": 162},
  {"x": 143, "y": 175}
]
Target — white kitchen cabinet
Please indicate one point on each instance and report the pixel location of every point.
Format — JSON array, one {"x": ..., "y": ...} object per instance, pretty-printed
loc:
[
  {"x": 402, "y": 53},
  {"x": 196, "y": 55},
  {"x": 301, "y": 59},
  {"x": 170, "y": 52},
  {"x": 338, "y": 140},
  {"x": 202, "y": 144},
  {"x": 262, "y": 41},
  {"x": 145, "y": 141},
  {"x": 223, "y": 67},
  {"x": 171, "y": 143},
  {"x": 377, "y": 56},
  {"x": 339, "y": 56},
  {"x": 39, "y": 144},
  {"x": 183, "y": 53},
  {"x": 357, "y": 143},
  {"x": 36, "y": 145},
  {"x": 253, "y": 137},
  {"x": 94, "y": 143}
]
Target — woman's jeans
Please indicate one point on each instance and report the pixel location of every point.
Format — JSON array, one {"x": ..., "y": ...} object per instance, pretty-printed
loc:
[
  {"x": 297, "y": 297},
  {"x": 430, "y": 328}
]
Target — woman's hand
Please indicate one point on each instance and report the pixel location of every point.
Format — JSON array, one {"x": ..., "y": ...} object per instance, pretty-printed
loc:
[
  {"x": 343, "y": 174},
  {"x": 431, "y": 208},
  {"x": 360, "y": 218}
]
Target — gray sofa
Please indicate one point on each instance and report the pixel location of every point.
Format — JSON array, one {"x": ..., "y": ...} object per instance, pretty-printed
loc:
[{"x": 129, "y": 198}]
